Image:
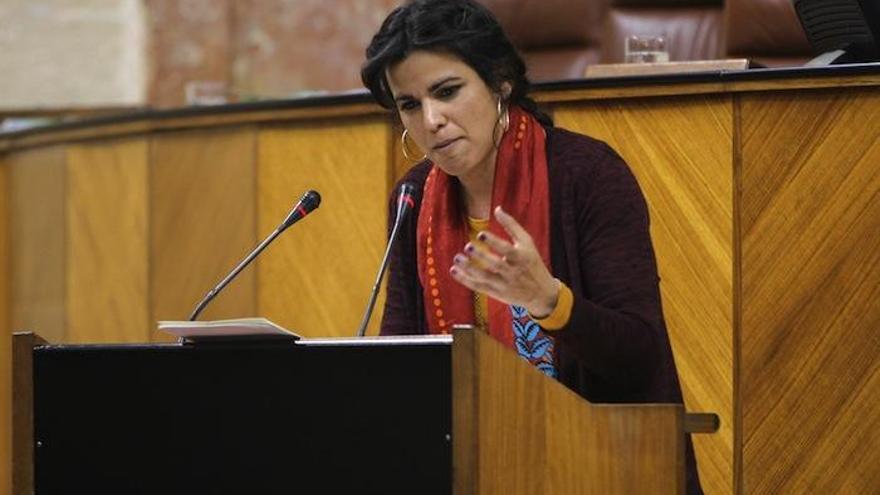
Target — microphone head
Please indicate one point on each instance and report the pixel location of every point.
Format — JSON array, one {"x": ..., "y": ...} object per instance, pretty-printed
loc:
[
  {"x": 406, "y": 198},
  {"x": 407, "y": 188},
  {"x": 310, "y": 200},
  {"x": 308, "y": 203}
]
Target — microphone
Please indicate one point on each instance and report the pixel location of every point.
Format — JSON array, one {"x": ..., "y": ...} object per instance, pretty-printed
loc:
[
  {"x": 308, "y": 203},
  {"x": 405, "y": 203}
]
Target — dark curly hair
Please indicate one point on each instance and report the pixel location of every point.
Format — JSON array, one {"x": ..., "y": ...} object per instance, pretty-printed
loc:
[{"x": 461, "y": 27}]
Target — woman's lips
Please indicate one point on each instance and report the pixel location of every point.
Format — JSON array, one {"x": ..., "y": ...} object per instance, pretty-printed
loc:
[{"x": 444, "y": 144}]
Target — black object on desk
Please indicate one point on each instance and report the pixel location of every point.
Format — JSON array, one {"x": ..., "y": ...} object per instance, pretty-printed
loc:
[{"x": 245, "y": 418}]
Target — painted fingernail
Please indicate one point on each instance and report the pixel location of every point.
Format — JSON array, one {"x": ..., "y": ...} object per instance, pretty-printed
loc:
[
  {"x": 458, "y": 259},
  {"x": 453, "y": 271},
  {"x": 481, "y": 236},
  {"x": 469, "y": 248}
]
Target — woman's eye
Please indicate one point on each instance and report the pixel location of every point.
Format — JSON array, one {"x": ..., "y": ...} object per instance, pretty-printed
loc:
[
  {"x": 408, "y": 105},
  {"x": 447, "y": 91}
]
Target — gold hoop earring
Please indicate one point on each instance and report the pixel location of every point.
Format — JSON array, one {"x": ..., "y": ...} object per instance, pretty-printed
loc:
[
  {"x": 503, "y": 117},
  {"x": 503, "y": 121},
  {"x": 405, "y": 148}
]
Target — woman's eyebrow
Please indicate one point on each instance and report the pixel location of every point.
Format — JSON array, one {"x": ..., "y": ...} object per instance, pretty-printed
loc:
[
  {"x": 431, "y": 88},
  {"x": 441, "y": 82}
]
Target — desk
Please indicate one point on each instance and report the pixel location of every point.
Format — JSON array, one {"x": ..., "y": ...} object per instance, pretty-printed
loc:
[{"x": 764, "y": 194}]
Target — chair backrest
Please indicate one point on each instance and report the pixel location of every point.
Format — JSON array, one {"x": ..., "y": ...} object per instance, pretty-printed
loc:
[
  {"x": 560, "y": 38},
  {"x": 557, "y": 38},
  {"x": 766, "y": 31},
  {"x": 692, "y": 28}
]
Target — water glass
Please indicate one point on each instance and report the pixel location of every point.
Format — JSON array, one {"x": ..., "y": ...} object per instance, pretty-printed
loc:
[{"x": 644, "y": 49}]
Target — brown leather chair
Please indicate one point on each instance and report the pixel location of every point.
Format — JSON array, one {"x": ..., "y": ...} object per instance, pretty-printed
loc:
[
  {"x": 557, "y": 38},
  {"x": 692, "y": 28},
  {"x": 766, "y": 31},
  {"x": 560, "y": 38}
]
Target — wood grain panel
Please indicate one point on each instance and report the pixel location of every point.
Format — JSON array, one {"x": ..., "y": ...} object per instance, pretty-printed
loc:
[
  {"x": 107, "y": 247},
  {"x": 400, "y": 163},
  {"x": 811, "y": 266},
  {"x": 529, "y": 434},
  {"x": 634, "y": 88},
  {"x": 23, "y": 413},
  {"x": 202, "y": 222},
  {"x": 34, "y": 210},
  {"x": 316, "y": 279},
  {"x": 37, "y": 224},
  {"x": 680, "y": 150},
  {"x": 5, "y": 338}
]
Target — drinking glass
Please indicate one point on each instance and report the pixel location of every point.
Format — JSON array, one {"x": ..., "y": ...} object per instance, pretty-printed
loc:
[{"x": 645, "y": 48}]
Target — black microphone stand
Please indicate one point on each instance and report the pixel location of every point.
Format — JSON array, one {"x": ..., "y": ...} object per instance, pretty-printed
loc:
[
  {"x": 245, "y": 262},
  {"x": 309, "y": 202},
  {"x": 404, "y": 204}
]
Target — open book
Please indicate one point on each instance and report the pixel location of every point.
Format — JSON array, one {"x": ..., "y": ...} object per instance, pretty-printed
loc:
[{"x": 239, "y": 328}]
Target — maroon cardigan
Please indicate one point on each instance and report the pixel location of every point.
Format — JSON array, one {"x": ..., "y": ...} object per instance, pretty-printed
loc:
[{"x": 615, "y": 347}]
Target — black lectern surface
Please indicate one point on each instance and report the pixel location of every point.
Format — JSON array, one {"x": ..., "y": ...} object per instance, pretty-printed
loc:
[{"x": 244, "y": 418}]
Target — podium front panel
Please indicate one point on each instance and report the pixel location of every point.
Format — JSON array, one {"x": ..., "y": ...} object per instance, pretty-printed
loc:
[{"x": 243, "y": 418}]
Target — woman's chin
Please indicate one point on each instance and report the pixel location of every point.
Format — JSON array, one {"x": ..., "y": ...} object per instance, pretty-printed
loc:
[{"x": 450, "y": 167}]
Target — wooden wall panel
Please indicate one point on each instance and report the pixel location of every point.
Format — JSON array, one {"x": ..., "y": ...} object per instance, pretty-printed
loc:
[
  {"x": 316, "y": 279},
  {"x": 811, "y": 285},
  {"x": 399, "y": 162},
  {"x": 37, "y": 225},
  {"x": 202, "y": 222},
  {"x": 34, "y": 210},
  {"x": 5, "y": 339},
  {"x": 680, "y": 149},
  {"x": 107, "y": 245},
  {"x": 525, "y": 434}
]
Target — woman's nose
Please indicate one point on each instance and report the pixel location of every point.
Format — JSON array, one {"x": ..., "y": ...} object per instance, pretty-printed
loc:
[{"x": 433, "y": 115}]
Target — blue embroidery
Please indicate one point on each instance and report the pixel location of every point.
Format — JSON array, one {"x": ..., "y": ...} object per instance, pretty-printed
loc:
[
  {"x": 531, "y": 342},
  {"x": 540, "y": 348},
  {"x": 548, "y": 369}
]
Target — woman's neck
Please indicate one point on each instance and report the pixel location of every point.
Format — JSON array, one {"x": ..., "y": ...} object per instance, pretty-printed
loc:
[
  {"x": 476, "y": 196},
  {"x": 476, "y": 190}
]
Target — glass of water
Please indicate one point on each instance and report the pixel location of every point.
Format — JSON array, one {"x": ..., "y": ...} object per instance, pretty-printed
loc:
[{"x": 645, "y": 49}]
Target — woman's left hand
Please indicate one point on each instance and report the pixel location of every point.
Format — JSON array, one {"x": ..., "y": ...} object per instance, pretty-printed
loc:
[{"x": 512, "y": 273}]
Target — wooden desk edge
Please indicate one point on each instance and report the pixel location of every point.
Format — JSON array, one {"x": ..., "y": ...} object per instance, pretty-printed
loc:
[{"x": 265, "y": 114}]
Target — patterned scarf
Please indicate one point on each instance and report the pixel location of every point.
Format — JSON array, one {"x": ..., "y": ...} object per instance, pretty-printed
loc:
[{"x": 521, "y": 188}]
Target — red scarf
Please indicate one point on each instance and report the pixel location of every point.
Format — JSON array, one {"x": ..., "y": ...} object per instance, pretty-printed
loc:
[{"x": 520, "y": 187}]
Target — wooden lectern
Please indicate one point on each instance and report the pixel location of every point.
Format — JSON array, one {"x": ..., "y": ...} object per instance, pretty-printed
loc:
[{"x": 448, "y": 414}]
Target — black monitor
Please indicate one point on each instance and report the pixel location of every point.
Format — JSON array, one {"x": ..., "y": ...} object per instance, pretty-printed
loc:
[{"x": 841, "y": 31}]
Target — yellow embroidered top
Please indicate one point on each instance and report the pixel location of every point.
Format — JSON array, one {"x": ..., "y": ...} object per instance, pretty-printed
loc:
[{"x": 554, "y": 321}]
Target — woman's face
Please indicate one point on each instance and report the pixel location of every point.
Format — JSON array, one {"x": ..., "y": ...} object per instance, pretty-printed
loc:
[{"x": 448, "y": 110}]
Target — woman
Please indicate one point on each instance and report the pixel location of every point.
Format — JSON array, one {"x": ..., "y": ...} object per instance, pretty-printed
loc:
[{"x": 534, "y": 233}]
